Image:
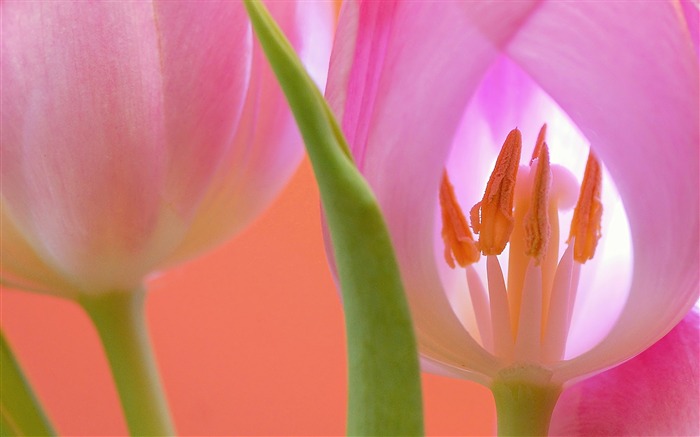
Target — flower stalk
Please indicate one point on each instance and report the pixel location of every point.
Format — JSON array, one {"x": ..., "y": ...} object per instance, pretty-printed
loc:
[
  {"x": 20, "y": 410},
  {"x": 120, "y": 321},
  {"x": 384, "y": 391},
  {"x": 524, "y": 408}
]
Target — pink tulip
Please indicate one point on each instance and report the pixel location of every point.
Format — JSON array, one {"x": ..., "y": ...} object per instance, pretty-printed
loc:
[
  {"x": 423, "y": 87},
  {"x": 137, "y": 134},
  {"x": 655, "y": 393}
]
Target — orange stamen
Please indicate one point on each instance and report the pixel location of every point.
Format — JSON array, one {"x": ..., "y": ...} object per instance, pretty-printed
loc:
[
  {"x": 537, "y": 227},
  {"x": 585, "y": 225},
  {"x": 538, "y": 145},
  {"x": 459, "y": 241},
  {"x": 492, "y": 218}
]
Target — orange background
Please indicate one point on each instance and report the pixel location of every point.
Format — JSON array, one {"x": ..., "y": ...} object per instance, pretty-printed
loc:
[{"x": 249, "y": 339}]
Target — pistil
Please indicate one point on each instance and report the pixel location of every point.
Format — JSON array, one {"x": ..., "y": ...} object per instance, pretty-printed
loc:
[{"x": 536, "y": 213}]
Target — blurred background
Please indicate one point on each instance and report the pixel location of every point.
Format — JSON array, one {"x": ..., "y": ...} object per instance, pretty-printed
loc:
[{"x": 249, "y": 340}]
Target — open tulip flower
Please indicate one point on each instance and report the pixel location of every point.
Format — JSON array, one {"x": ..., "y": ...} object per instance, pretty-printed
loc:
[
  {"x": 574, "y": 246},
  {"x": 135, "y": 135}
]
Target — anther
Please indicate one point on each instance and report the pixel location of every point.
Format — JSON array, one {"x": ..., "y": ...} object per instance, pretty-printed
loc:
[
  {"x": 492, "y": 218},
  {"x": 459, "y": 242},
  {"x": 538, "y": 145},
  {"x": 585, "y": 225},
  {"x": 537, "y": 228}
]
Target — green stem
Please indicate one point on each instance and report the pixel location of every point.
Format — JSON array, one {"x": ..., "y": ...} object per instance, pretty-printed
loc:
[
  {"x": 20, "y": 411},
  {"x": 121, "y": 324},
  {"x": 384, "y": 387},
  {"x": 524, "y": 408}
]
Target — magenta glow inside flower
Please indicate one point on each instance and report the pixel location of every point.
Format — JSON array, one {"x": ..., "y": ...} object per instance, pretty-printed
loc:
[{"x": 539, "y": 273}]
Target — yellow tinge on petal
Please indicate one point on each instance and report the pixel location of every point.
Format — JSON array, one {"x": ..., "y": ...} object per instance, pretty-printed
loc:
[
  {"x": 492, "y": 218},
  {"x": 585, "y": 225},
  {"x": 459, "y": 241}
]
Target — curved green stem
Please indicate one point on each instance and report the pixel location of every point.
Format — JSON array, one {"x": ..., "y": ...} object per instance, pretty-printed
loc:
[
  {"x": 384, "y": 391},
  {"x": 20, "y": 411},
  {"x": 524, "y": 408},
  {"x": 121, "y": 324}
]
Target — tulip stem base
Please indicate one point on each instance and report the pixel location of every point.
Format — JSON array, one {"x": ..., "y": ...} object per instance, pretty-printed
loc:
[
  {"x": 524, "y": 408},
  {"x": 121, "y": 324}
]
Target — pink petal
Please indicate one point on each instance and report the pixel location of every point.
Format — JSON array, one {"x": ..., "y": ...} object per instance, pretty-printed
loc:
[
  {"x": 204, "y": 50},
  {"x": 82, "y": 136},
  {"x": 691, "y": 15},
  {"x": 427, "y": 364},
  {"x": 655, "y": 393},
  {"x": 635, "y": 99},
  {"x": 267, "y": 147}
]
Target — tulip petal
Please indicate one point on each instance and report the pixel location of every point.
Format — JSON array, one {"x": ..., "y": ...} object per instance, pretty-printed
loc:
[
  {"x": 691, "y": 14},
  {"x": 647, "y": 135},
  {"x": 23, "y": 268},
  {"x": 655, "y": 393},
  {"x": 400, "y": 101},
  {"x": 82, "y": 132},
  {"x": 429, "y": 365},
  {"x": 505, "y": 99},
  {"x": 203, "y": 94},
  {"x": 267, "y": 146}
]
